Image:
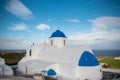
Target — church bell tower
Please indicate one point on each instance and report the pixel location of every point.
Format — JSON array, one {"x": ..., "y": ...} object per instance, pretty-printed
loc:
[{"x": 58, "y": 38}]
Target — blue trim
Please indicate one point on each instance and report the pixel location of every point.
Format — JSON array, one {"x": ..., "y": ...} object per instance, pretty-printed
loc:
[
  {"x": 88, "y": 59},
  {"x": 58, "y": 33},
  {"x": 51, "y": 72}
]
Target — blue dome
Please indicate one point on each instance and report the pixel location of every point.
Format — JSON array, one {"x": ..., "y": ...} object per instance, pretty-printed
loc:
[
  {"x": 51, "y": 72},
  {"x": 88, "y": 59},
  {"x": 58, "y": 33}
]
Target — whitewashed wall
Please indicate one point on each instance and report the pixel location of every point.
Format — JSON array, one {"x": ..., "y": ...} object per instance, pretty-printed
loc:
[{"x": 90, "y": 73}]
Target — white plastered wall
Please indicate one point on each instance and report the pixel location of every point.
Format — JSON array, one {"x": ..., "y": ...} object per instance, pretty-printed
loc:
[
  {"x": 67, "y": 69},
  {"x": 33, "y": 66},
  {"x": 90, "y": 73},
  {"x": 57, "y": 41}
]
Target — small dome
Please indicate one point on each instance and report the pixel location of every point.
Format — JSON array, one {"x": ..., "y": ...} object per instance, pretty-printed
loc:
[
  {"x": 88, "y": 59},
  {"x": 51, "y": 72},
  {"x": 58, "y": 33}
]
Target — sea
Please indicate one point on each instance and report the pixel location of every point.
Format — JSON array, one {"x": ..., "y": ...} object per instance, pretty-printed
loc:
[{"x": 109, "y": 53}]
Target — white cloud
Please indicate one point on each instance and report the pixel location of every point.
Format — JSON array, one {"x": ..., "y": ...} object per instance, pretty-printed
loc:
[
  {"x": 20, "y": 27},
  {"x": 105, "y": 32},
  {"x": 73, "y": 20},
  {"x": 13, "y": 43},
  {"x": 42, "y": 27},
  {"x": 17, "y": 8},
  {"x": 96, "y": 37},
  {"x": 105, "y": 23}
]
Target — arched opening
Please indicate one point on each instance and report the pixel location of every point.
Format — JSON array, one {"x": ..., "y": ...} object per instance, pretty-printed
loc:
[
  {"x": 64, "y": 42},
  {"x": 51, "y": 72},
  {"x": 88, "y": 59},
  {"x": 30, "y": 52}
]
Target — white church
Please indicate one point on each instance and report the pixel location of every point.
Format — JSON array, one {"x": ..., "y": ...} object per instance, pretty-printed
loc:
[{"x": 57, "y": 58}]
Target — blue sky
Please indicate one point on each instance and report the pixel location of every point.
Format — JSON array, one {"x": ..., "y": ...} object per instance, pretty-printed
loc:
[{"x": 85, "y": 22}]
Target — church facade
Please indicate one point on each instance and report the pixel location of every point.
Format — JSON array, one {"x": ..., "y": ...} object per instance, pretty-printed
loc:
[{"x": 75, "y": 62}]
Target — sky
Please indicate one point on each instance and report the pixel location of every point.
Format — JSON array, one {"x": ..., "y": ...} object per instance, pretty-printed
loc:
[{"x": 95, "y": 23}]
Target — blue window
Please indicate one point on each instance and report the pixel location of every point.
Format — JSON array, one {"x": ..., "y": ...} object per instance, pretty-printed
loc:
[
  {"x": 88, "y": 59},
  {"x": 51, "y": 72}
]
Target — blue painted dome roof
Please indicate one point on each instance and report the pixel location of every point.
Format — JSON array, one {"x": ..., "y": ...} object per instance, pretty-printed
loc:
[
  {"x": 51, "y": 72},
  {"x": 88, "y": 59},
  {"x": 58, "y": 33}
]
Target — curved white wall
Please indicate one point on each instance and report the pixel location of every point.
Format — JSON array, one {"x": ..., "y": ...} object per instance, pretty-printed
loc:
[{"x": 90, "y": 73}]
